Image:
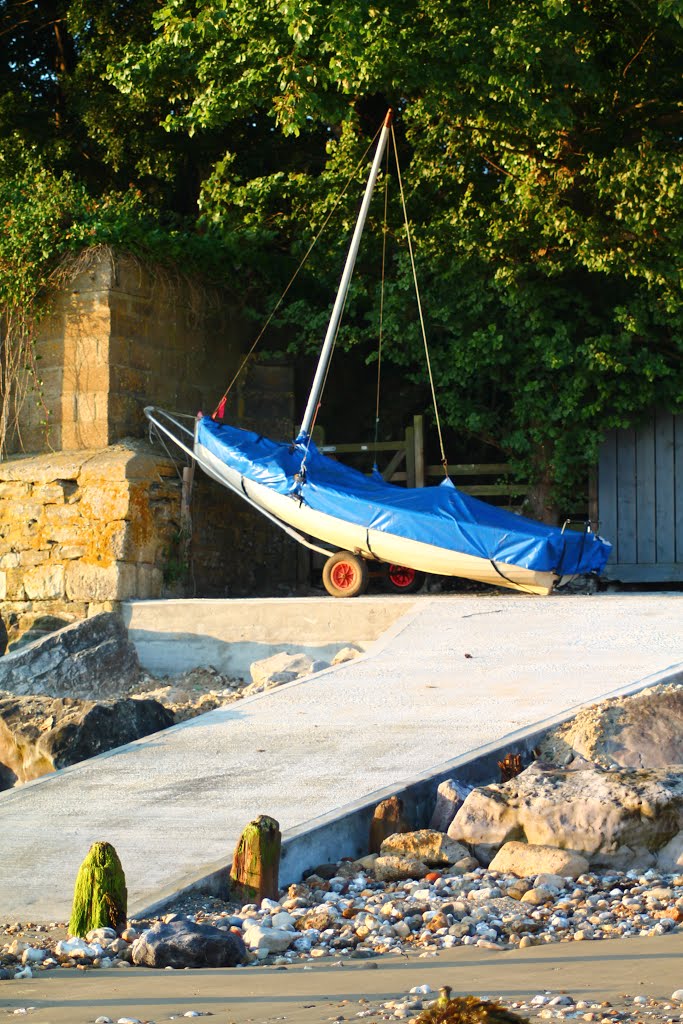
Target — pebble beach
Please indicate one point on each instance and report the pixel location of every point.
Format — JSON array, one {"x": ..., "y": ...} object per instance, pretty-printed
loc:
[{"x": 350, "y": 923}]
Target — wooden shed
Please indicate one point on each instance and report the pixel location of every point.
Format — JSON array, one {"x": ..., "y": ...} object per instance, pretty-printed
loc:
[{"x": 640, "y": 500}]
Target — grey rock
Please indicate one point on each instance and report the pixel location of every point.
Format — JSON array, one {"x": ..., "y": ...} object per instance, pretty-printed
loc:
[
  {"x": 449, "y": 799},
  {"x": 89, "y": 658},
  {"x": 186, "y": 944},
  {"x": 41, "y": 734},
  {"x": 280, "y": 668}
]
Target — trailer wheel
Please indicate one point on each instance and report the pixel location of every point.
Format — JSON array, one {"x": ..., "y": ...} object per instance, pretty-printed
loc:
[
  {"x": 399, "y": 579},
  {"x": 345, "y": 574}
]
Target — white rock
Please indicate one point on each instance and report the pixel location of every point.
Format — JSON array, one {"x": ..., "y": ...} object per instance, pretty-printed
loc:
[
  {"x": 274, "y": 940},
  {"x": 346, "y": 654},
  {"x": 284, "y": 920},
  {"x": 104, "y": 1020},
  {"x": 78, "y": 947},
  {"x": 33, "y": 956},
  {"x": 678, "y": 995},
  {"x": 100, "y": 935}
]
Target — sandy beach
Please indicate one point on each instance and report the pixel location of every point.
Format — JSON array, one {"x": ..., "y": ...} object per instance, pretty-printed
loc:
[{"x": 613, "y": 971}]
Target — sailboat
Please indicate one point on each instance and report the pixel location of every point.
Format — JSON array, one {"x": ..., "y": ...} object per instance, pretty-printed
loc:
[{"x": 358, "y": 521}]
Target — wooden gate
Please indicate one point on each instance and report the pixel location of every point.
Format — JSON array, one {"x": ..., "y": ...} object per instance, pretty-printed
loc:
[{"x": 640, "y": 501}]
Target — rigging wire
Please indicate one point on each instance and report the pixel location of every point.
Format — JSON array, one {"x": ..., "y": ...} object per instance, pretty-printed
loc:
[
  {"x": 218, "y": 411},
  {"x": 444, "y": 460}
]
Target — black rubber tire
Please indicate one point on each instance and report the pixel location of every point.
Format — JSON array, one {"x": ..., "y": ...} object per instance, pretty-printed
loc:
[
  {"x": 345, "y": 574},
  {"x": 410, "y": 586}
]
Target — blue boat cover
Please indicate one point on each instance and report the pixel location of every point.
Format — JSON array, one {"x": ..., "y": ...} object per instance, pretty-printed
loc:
[{"x": 440, "y": 515}]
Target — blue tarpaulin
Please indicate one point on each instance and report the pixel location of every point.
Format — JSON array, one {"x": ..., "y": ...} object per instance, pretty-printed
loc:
[{"x": 441, "y": 515}]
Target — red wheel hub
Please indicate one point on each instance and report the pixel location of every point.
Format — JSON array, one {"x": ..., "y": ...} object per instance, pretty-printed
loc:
[
  {"x": 344, "y": 575},
  {"x": 400, "y": 576}
]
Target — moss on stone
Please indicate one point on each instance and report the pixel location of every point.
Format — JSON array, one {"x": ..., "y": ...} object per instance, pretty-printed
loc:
[{"x": 100, "y": 894}]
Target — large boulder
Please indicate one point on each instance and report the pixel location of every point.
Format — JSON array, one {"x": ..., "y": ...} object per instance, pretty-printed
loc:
[
  {"x": 643, "y": 730},
  {"x": 527, "y": 860},
  {"x": 183, "y": 943},
  {"x": 620, "y": 818},
  {"x": 435, "y": 849},
  {"x": 92, "y": 658},
  {"x": 40, "y": 734}
]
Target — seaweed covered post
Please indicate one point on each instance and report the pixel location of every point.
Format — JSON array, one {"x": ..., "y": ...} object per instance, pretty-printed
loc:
[
  {"x": 100, "y": 894},
  {"x": 256, "y": 861}
]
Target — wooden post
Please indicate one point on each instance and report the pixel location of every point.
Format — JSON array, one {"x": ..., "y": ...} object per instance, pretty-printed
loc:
[
  {"x": 593, "y": 512},
  {"x": 100, "y": 895},
  {"x": 387, "y": 820},
  {"x": 410, "y": 456},
  {"x": 418, "y": 441},
  {"x": 256, "y": 861}
]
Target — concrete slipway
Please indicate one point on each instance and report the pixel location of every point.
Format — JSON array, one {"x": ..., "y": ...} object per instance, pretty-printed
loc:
[{"x": 319, "y": 753}]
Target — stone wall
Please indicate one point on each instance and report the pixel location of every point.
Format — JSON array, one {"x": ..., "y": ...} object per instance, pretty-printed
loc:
[
  {"x": 98, "y": 519},
  {"x": 80, "y": 531},
  {"x": 121, "y": 336}
]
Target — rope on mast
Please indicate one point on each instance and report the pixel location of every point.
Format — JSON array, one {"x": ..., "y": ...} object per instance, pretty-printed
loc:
[
  {"x": 218, "y": 411},
  {"x": 444, "y": 460}
]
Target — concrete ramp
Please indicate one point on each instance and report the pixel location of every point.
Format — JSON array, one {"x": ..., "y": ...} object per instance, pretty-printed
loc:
[{"x": 311, "y": 752}]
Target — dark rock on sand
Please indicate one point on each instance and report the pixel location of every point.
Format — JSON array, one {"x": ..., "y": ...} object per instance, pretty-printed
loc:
[{"x": 186, "y": 944}]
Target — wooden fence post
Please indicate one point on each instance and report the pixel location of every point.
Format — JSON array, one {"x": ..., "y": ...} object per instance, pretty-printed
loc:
[
  {"x": 418, "y": 441},
  {"x": 410, "y": 456}
]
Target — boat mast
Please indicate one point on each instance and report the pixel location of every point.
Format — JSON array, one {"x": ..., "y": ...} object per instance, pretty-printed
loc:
[{"x": 328, "y": 344}]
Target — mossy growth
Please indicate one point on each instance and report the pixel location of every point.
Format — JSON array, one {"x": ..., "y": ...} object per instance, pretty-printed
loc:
[
  {"x": 100, "y": 894},
  {"x": 256, "y": 861},
  {"x": 467, "y": 1010}
]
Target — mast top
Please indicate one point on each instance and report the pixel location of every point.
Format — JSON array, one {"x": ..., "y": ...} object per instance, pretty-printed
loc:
[{"x": 388, "y": 119}]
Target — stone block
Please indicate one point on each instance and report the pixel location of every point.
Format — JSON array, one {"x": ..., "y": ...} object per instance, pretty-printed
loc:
[
  {"x": 14, "y": 585},
  {"x": 150, "y": 581},
  {"x": 86, "y": 582},
  {"x": 34, "y": 557},
  {"x": 65, "y": 552},
  {"x": 12, "y": 560},
  {"x": 37, "y": 469},
  {"x": 107, "y": 502},
  {"x": 48, "y": 494},
  {"x": 12, "y": 490},
  {"x": 44, "y": 582},
  {"x": 127, "y": 380},
  {"x": 62, "y": 523}
]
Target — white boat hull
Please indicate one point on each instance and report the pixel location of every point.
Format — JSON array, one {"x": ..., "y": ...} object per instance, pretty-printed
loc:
[{"x": 374, "y": 544}]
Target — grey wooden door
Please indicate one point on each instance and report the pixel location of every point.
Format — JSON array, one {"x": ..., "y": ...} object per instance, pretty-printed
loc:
[{"x": 640, "y": 500}]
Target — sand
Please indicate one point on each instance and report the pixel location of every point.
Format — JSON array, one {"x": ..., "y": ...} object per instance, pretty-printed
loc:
[{"x": 597, "y": 971}]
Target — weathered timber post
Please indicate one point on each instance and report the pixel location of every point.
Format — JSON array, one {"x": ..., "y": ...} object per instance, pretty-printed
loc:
[
  {"x": 100, "y": 894},
  {"x": 256, "y": 861},
  {"x": 387, "y": 820}
]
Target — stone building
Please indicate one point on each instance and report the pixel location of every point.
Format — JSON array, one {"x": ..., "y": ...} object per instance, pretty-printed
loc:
[{"x": 90, "y": 511}]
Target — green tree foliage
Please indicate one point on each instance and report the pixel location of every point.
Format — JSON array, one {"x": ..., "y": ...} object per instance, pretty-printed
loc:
[
  {"x": 544, "y": 147},
  {"x": 100, "y": 894},
  {"x": 541, "y": 140}
]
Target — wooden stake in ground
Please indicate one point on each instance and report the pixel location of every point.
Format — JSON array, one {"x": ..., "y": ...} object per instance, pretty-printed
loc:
[
  {"x": 256, "y": 862},
  {"x": 100, "y": 894},
  {"x": 387, "y": 820}
]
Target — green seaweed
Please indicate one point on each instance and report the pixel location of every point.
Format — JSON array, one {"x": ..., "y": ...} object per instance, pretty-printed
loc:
[{"x": 100, "y": 894}]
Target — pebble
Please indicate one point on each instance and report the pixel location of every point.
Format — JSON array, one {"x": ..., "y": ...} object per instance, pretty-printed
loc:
[{"x": 353, "y": 917}]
